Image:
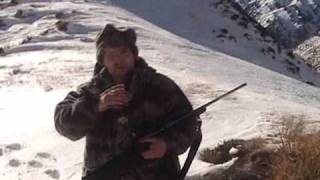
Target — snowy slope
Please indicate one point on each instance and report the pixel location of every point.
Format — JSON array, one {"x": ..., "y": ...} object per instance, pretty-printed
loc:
[
  {"x": 211, "y": 23},
  {"x": 180, "y": 38}
]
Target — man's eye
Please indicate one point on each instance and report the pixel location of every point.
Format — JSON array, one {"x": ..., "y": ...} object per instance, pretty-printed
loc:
[
  {"x": 110, "y": 55},
  {"x": 124, "y": 51}
]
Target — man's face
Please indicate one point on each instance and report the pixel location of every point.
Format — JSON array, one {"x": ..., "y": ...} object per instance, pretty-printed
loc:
[{"x": 119, "y": 61}]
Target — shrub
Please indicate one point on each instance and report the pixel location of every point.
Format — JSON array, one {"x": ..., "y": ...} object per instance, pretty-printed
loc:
[{"x": 298, "y": 157}]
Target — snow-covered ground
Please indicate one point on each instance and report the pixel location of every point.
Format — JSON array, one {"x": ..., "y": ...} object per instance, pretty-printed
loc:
[{"x": 180, "y": 38}]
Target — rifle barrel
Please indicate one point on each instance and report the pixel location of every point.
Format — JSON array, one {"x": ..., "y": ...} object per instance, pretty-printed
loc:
[
  {"x": 223, "y": 95},
  {"x": 195, "y": 112}
]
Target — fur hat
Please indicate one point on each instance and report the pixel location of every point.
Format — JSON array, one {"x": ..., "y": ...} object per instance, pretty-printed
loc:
[{"x": 111, "y": 36}]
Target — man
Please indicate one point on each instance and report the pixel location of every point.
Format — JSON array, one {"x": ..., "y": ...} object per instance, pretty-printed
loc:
[{"x": 126, "y": 96}]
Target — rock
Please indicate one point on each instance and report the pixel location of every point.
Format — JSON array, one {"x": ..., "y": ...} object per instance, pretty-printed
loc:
[
  {"x": 86, "y": 39},
  {"x": 48, "y": 88},
  {"x": 310, "y": 83},
  {"x": 293, "y": 70},
  {"x": 248, "y": 36},
  {"x": 301, "y": 22},
  {"x": 26, "y": 40},
  {"x": 289, "y": 62},
  {"x": 243, "y": 24},
  {"x": 62, "y": 25},
  {"x": 224, "y": 31},
  {"x": 225, "y": 11},
  {"x": 1, "y": 51},
  {"x": 36, "y": 5},
  {"x": 2, "y": 24},
  {"x": 13, "y": 2},
  {"x": 234, "y": 17},
  {"x": 59, "y": 15},
  {"x": 221, "y": 36},
  {"x": 15, "y": 72},
  {"x": 45, "y": 32},
  {"x": 19, "y": 14},
  {"x": 271, "y": 50},
  {"x": 291, "y": 55},
  {"x": 232, "y": 38}
]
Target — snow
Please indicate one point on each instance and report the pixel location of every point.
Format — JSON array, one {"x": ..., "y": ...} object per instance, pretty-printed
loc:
[
  {"x": 233, "y": 151},
  {"x": 35, "y": 75}
]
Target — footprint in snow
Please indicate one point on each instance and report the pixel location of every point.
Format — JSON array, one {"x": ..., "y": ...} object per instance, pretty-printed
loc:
[
  {"x": 14, "y": 163},
  {"x": 43, "y": 155},
  {"x": 35, "y": 164},
  {"x": 13, "y": 147},
  {"x": 53, "y": 173}
]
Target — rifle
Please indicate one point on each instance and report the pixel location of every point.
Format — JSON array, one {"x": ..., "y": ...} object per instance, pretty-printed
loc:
[{"x": 130, "y": 159}]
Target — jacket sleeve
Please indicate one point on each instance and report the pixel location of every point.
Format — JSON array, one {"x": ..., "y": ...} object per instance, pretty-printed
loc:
[
  {"x": 180, "y": 136},
  {"x": 76, "y": 115}
]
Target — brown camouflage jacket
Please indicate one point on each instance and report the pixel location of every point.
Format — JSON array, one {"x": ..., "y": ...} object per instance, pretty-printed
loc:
[{"x": 153, "y": 100}]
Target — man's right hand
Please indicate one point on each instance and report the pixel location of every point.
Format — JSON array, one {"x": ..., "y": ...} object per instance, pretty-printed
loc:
[{"x": 113, "y": 98}]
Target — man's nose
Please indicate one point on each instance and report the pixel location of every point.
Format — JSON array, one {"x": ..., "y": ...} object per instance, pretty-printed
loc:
[{"x": 120, "y": 60}]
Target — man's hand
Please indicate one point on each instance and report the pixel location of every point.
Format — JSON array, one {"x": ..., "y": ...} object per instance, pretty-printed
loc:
[
  {"x": 156, "y": 150},
  {"x": 113, "y": 98}
]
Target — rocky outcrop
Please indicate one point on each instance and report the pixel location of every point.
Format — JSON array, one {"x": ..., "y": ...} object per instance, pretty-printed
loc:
[
  {"x": 310, "y": 50},
  {"x": 289, "y": 21}
]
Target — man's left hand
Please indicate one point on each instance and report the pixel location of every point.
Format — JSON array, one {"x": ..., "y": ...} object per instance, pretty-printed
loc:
[{"x": 157, "y": 148}]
